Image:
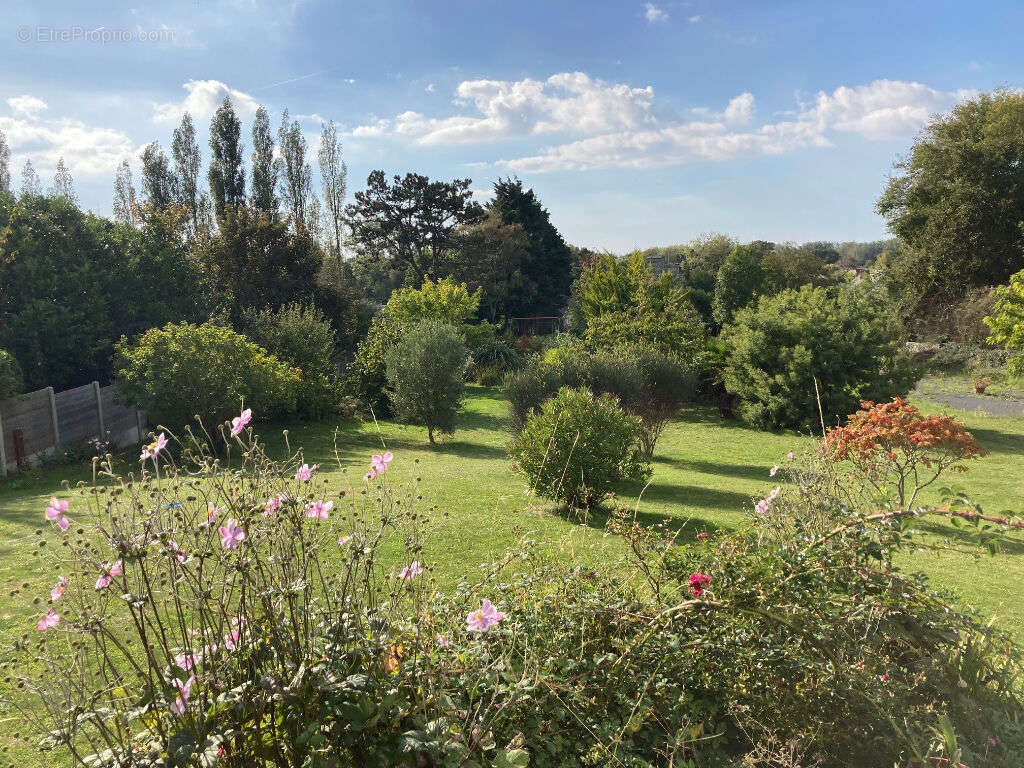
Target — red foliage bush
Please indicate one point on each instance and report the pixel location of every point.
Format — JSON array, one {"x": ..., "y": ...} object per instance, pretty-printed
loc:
[{"x": 893, "y": 442}]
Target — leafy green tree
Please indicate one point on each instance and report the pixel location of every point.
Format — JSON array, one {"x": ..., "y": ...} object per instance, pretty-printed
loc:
[
  {"x": 159, "y": 184},
  {"x": 549, "y": 266},
  {"x": 54, "y": 316},
  {"x": 302, "y": 336},
  {"x": 227, "y": 171},
  {"x": 182, "y": 370},
  {"x": 411, "y": 222},
  {"x": 296, "y": 175},
  {"x": 426, "y": 376},
  {"x": 264, "y": 167},
  {"x": 187, "y": 164},
  {"x": 444, "y": 301},
  {"x": 63, "y": 184},
  {"x": 125, "y": 197},
  {"x": 740, "y": 278},
  {"x": 256, "y": 261},
  {"x": 334, "y": 179},
  {"x": 785, "y": 351},
  {"x": 493, "y": 257},
  {"x": 956, "y": 200},
  {"x": 1007, "y": 320},
  {"x": 5, "y": 164},
  {"x": 12, "y": 382},
  {"x": 620, "y": 304},
  {"x": 71, "y": 283},
  {"x": 30, "y": 183}
]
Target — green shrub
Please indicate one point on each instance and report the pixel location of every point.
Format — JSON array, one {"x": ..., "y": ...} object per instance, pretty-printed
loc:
[
  {"x": 444, "y": 301},
  {"x": 11, "y": 380},
  {"x": 426, "y": 376},
  {"x": 578, "y": 447},
  {"x": 665, "y": 386},
  {"x": 620, "y": 303},
  {"x": 1007, "y": 321},
  {"x": 488, "y": 375},
  {"x": 497, "y": 354},
  {"x": 647, "y": 382},
  {"x": 179, "y": 371},
  {"x": 779, "y": 346},
  {"x": 301, "y": 336}
]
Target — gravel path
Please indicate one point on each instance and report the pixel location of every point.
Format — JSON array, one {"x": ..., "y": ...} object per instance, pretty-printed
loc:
[{"x": 997, "y": 406}]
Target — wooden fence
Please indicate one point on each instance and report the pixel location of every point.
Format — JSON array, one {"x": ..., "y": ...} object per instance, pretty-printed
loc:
[{"x": 41, "y": 422}]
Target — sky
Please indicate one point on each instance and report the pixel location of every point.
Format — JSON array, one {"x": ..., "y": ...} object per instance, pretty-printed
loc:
[{"x": 637, "y": 123}]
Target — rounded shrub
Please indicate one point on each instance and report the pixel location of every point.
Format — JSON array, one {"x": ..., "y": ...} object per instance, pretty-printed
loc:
[
  {"x": 578, "y": 447},
  {"x": 425, "y": 374},
  {"x": 779, "y": 347},
  {"x": 11, "y": 380},
  {"x": 302, "y": 336},
  {"x": 179, "y": 371}
]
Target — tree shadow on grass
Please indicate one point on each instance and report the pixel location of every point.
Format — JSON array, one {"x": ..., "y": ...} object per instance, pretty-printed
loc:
[
  {"x": 1008, "y": 544},
  {"x": 685, "y": 528},
  {"x": 693, "y": 496},
  {"x": 997, "y": 441},
  {"x": 744, "y": 471},
  {"x": 487, "y": 421}
]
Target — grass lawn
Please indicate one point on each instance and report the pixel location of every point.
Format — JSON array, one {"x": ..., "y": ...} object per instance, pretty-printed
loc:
[{"x": 705, "y": 472}]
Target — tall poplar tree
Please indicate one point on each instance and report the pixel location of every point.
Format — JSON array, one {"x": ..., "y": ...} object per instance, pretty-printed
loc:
[
  {"x": 264, "y": 167},
  {"x": 159, "y": 184},
  {"x": 334, "y": 177},
  {"x": 226, "y": 175},
  {"x": 63, "y": 185},
  {"x": 296, "y": 173},
  {"x": 187, "y": 164},
  {"x": 5, "y": 164},
  {"x": 124, "y": 195},
  {"x": 30, "y": 184}
]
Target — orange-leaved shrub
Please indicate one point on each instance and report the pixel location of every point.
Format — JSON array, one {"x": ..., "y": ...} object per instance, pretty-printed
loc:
[{"x": 893, "y": 445}]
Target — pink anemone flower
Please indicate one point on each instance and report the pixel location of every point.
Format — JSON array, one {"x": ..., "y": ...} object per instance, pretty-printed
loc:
[
  {"x": 240, "y": 422},
  {"x": 231, "y": 534},
  {"x": 484, "y": 618}
]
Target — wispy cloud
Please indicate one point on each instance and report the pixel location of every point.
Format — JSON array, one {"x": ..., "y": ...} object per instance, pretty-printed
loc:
[{"x": 654, "y": 14}]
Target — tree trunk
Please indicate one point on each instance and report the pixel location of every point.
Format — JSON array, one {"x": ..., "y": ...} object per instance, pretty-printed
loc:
[{"x": 430, "y": 434}]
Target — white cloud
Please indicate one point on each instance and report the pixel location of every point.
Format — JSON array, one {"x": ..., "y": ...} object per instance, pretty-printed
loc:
[
  {"x": 654, "y": 14},
  {"x": 87, "y": 150},
  {"x": 202, "y": 99},
  {"x": 883, "y": 109},
  {"x": 740, "y": 109},
  {"x": 568, "y": 102},
  {"x": 430, "y": 88},
  {"x": 695, "y": 19},
  {"x": 27, "y": 106},
  {"x": 614, "y": 125}
]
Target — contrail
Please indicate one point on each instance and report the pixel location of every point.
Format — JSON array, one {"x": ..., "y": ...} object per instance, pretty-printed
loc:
[{"x": 292, "y": 80}]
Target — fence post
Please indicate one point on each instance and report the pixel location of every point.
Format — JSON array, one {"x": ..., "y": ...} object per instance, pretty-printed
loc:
[
  {"x": 99, "y": 409},
  {"x": 53, "y": 417},
  {"x": 138, "y": 425},
  {"x": 3, "y": 449}
]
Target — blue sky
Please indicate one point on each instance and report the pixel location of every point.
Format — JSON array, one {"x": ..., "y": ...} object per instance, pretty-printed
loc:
[{"x": 637, "y": 123}]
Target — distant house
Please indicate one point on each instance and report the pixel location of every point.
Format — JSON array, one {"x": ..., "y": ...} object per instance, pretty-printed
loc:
[{"x": 659, "y": 265}]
